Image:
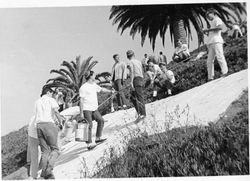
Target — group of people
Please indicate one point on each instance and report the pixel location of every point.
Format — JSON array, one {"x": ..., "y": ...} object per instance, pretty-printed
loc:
[{"x": 43, "y": 131}]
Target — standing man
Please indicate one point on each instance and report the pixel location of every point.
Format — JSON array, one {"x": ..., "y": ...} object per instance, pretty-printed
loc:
[
  {"x": 119, "y": 75},
  {"x": 89, "y": 107},
  {"x": 46, "y": 109},
  {"x": 215, "y": 44},
  {"x": 136, "y": 75},
  {"x": 144, "y": 62},
  {"x": 32, "y": 150},
  {"x": 162, "y": 58}
]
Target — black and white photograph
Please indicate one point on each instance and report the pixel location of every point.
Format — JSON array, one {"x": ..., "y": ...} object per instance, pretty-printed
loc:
[{"x": 135, "y": 90}]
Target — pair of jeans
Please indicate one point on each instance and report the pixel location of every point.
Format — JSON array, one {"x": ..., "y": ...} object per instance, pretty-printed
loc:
[
  {"x": 33, "y": 157},
  {"x": 216, "y": 50},
  {"x": 90, "y": 116},
  {"x": 137, "y": 96},
  {"x": 121, "y": 100},
  {"x": 47, "y": 133}
]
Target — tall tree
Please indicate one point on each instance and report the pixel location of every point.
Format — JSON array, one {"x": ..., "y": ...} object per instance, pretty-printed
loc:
[
  {"x": 152, "y": 20},
  {"x": 71, "y": 76}
]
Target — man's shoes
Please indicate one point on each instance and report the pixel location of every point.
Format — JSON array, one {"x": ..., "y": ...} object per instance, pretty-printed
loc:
[
  {"x": 100, "y": 140},
  {"x": 119, "y": 107},
  {"x": 91, "y": 146},
  {"x": 224, "y": 75},
  {"x": 169, "y": 92},
  {"x": 124, "y": 106},
  {"x": 49, "y": 176},
  {"x": 208, "y": 80}
]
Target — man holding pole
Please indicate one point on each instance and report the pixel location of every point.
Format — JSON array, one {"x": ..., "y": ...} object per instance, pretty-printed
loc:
[{"x": 89, "y": 107}]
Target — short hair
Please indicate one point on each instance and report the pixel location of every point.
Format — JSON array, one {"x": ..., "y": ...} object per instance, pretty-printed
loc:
[
  {"x": 150, "y": 60},
  {"x": 89, "y": 74},
  {"x": 211, "y": 10},
  {"x": 160, "y": 52},
  {"x": 130, "y": 53},
  {"x": 115, "y": 55},
  {"x": 162, "y": 64},
  {"x": 46, "y": 89}
]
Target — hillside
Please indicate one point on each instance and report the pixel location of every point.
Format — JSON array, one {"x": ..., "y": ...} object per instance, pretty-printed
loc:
[
  {"x": 197, "y": 106},
  {"x": 189, "y": 75}
]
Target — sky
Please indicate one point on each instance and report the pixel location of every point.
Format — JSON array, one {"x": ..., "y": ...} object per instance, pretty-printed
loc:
[{"x": 34, "y": 41}]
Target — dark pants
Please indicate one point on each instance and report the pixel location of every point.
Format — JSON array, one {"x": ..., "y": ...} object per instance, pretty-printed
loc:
[
  {"x": 121, "y": 100},
  {"x": 163, "y": 85},
  {"x": 137, "y": 96},
  {"x": 47, "y": 133},
  {"x": 90, "y": 116}
]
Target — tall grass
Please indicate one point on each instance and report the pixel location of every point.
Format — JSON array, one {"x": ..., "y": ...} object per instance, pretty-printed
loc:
[{"x": 216, "y": 149}]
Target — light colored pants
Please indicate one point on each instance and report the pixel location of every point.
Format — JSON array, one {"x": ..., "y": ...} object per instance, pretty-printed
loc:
[
  {"x": 216, "y": 50},
  {"x": 33, "y": 154}
]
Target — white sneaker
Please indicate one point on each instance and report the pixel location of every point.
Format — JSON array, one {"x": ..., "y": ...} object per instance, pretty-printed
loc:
[
  {"x": 154, "y": 93},
  {"x": 169, "y": 92}
]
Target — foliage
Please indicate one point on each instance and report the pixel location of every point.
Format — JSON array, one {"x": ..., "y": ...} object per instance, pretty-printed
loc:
[
  {"x": 195, "y": 151},
  {"x": 72, "y": 76},
  {"x": 151, "y": 20},
  {"x": 14, "y": 150}
]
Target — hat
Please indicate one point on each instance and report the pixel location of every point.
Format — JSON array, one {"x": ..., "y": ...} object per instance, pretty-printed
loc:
[{"x": 130, "y": 53}]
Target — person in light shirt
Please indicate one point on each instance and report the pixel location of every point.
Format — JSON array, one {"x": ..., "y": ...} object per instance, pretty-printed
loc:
[
  {"x": 234, "y": 30},
  {"x": 46, "y": 110},
  {"x": 164, "y": 81},
  {"x": 181, "y": 52},
  {"x": 215, "y": 44},
  {"x": 153, "y": 71},
  {"x": 89, "y": 108}
]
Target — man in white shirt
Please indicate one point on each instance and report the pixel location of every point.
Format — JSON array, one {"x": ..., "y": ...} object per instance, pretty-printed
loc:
[
  {"x": 234, "y": 30},
  {"x": 153, "y": 71},
  {"x": 46, "y": 109},
  {"x": 215, "y": 44},
  {"x": 164, "y": 82},
  {"x": 144, "y": 62},
  {"x": 181, "y": 52},
  {"x": 89, "y": 107}
]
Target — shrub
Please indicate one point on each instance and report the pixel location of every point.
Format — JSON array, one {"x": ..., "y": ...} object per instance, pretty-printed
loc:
[
  {"x": 14, "y": 150},
  {"x": 217, "y": 149}
]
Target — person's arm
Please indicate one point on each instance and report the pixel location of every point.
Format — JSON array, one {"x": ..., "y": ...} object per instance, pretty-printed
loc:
[
  {"x": 81, "y": 107},
  {"x": 58, "y": 116},
  {"x": 106, "y": 90},
  {"x": 131, "y": 75}
]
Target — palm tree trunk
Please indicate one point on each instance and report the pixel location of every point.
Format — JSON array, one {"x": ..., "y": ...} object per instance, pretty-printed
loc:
[{"x": 179, "y": 30}]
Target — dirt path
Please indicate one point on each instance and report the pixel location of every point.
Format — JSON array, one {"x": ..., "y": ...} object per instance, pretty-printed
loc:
[{"x": 199, "y": 105}]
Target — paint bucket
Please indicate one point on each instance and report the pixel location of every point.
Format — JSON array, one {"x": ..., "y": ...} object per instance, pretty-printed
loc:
[{"x": 82, "y": 129}]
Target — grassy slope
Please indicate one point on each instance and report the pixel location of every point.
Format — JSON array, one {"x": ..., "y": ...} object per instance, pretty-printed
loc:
[
  {"x": 188, "y": 75},
  {"x": 218, "y": 149}
]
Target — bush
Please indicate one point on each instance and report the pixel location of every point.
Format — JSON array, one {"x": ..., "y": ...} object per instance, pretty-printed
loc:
[
  {"x": 14, "y": 150},
  {"x": 217, "y": 149}
]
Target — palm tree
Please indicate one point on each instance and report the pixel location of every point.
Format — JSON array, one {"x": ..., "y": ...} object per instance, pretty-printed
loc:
[
  {"x": 104, "y": 79},
  {"x": 152, "y": 20},
  {"x": 71, "y": 77}
]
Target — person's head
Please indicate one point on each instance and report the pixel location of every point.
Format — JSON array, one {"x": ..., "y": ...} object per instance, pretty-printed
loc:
[
  {"x": 211, "y": 13},
  {"x": 145, "y": 55},
  {"x": 116, "y": 57},
  {"x": 163, "y": 67},
  {"x": 130, "y": 54},
  {"x": 179, "y": 43},
  {"x": 160, "y": 53},
  {"x": 47, "y": 91},
  {"x": 90, "y": 76},
  {"x": 150, "y": 63}
]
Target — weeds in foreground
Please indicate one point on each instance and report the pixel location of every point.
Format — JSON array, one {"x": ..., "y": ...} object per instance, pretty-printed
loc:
[{"x": 185, "y": 151}]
